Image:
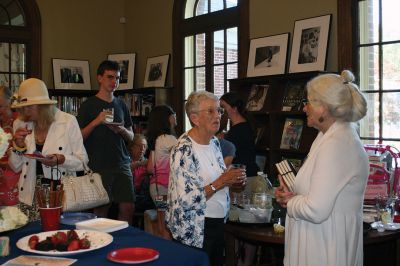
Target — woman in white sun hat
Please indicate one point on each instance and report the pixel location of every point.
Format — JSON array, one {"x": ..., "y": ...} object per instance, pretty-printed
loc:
[{"x": 41, "y": 127}]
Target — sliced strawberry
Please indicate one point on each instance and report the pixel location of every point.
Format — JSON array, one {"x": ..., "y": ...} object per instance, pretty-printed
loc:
[
  {"x": 73, "y": 245},
  {"x": 84, "y": 243},
  {"x": 33, "y": 240}
]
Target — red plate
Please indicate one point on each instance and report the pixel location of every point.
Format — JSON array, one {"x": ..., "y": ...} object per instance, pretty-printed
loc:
[
  {"x": 34, "y": 156},
  {"x": 133, "y": 255}
]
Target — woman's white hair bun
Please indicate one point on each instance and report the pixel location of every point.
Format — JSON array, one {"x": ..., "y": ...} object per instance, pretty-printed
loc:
[{"x": 347, "y": 76}]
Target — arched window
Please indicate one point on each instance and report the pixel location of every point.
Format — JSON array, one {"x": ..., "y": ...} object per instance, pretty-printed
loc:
[
  {"x": 207, "y": 48},
  {"x": 20, "y": 49}
]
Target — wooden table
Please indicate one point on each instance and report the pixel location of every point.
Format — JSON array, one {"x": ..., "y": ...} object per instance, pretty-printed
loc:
[{"x": 379, "y": 248}]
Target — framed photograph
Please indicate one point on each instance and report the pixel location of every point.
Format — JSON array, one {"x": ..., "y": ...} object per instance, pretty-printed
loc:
[
  {"x": 127, "y": 65},
  {"x": 310, "y": 44},
  {"x": 156, "y": 71},
  {"x": 71, "y": 74},
  {"x": 267, "y": 55}
]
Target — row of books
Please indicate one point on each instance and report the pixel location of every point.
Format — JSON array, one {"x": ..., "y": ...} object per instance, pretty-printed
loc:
[
  {"x": 292, "y": 99},
  {"x": 138, "y": 104},
  {"x": 69, "y": 104}
]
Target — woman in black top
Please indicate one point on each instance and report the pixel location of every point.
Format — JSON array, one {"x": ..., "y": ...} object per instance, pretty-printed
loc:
[{"x": 241, "y": 133}]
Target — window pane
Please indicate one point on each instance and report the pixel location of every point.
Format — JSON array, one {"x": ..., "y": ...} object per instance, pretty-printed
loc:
[
  {"x": 219, "y": 51},
  {"x": 232, "y": 45},
  {"x": 391, "y": 67},
  {"x": 232, "y": 73},
  {"x": 4, "y": 80},
  {"x": 18, "y": 63},
  {"x": 16, "y": 79},
  {"x": 369, "y": 21},
  {"x": 189, "y": 8},
  {"x": 14, "y": 11},
  {"x": 189, "y": 82},
  {"x": 219, "y": 80},
  {"x": 202, "y": 7},
  {"x": 189, "y": 51},
  {"x": 390, "y": 20},
  {"x": 200, "y": 49},
  {"x": 369, "y": 125},
  {"x": 200, "y": 78},
  {"x": 369, "y": 68},
  {"x": 4, "y": 19},
  {"x": 5, "y": 57},
  {"x": 391, "y": 114},
  {"x": 231, "y": 3},
  {"x": 217, "y": 5}
]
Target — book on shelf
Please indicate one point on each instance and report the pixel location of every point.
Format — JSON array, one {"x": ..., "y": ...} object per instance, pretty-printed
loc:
[
  {"x": 257, "y": 97},
  {"x": 291, "y": 133},
  {"x": 260, "y": 135},
  {"x": 293, "y": 97},
  {"x": 147, "y": 103},
  {"x": 288, "y": 173}
]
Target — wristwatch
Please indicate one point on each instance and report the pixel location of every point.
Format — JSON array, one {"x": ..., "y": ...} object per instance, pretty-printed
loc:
[{"x": 213, "y": 188}]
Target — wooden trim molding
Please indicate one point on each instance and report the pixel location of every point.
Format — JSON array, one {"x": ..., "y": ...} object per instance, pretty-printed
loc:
[{"x": 347, "y": 34}]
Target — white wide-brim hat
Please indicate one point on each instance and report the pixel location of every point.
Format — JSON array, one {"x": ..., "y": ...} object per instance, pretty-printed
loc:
[{"x": 32, "y": 91}]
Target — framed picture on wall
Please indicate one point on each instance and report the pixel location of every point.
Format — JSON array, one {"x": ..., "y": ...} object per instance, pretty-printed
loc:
[
  {"x": 127, "y": 66},
  {"x": 267, "y": 55},
  {"x": 310, "y": 44},
  {"x": 71, "y": 74},
  {"x": 156, "y": 71}
]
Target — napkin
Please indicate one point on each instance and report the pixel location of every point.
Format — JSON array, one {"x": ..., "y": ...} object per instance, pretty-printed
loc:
[{"x": 24, "y": 260}]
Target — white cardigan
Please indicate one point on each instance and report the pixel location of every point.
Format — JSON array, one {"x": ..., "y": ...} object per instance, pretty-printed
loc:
[
  {"x": 64, "y": 137},
  {"x": 324, "y": 219}
]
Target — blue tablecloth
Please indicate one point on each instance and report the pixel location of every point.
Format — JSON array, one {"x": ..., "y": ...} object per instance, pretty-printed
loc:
[{"x": 171, "y": 253}]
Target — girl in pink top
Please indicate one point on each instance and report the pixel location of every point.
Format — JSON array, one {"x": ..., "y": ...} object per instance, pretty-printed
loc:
[{"x": 161, "y": 138}]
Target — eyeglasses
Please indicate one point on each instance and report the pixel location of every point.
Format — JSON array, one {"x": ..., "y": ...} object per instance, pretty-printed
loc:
[
  {"x": 220, "y": 111},
  {"x": 305, "y": 102}
]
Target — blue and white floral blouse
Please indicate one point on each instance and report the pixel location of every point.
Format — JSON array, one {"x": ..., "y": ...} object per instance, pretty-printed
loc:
[{"x": 186, "y": 196}]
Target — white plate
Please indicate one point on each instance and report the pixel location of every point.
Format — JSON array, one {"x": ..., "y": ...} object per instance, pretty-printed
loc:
[
  {"x": 388, "y": 226},
  {"x": 34, "y": 156},
  {"x": 102, "y": 225},
  {"x": 97, "y": 240},
  {"x": 114, "y": 123}
]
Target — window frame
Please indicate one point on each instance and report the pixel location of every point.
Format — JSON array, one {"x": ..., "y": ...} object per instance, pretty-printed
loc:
[
  {"x": 232, "y": 17},
  {"x": 30, "y": 35},
  {"x": 348, "y": 39}
]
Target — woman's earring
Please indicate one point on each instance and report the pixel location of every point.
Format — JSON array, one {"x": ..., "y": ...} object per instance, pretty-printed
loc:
[{"x": 320, "y": 119}]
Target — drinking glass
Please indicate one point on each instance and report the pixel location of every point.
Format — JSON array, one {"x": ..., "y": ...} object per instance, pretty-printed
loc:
[
  {"x": 385, "y": 211},
  {"x": 240, "y": 184},
  {"x": 110, "y": 114}
]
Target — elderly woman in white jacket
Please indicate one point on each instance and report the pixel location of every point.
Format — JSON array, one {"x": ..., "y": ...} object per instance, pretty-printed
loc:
[
  {"x": 42, "y": 127},
  {"x": 324, "y": 212}
]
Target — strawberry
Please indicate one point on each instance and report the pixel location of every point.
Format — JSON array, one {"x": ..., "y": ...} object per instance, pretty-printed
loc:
[
  {"x": 72, "y": 235},
  {"x": 73, "y": 245},
  {"x": 59, "y": 237},
  {"x": 84, "y": 243},
  {"x": 33, "y": 240}
]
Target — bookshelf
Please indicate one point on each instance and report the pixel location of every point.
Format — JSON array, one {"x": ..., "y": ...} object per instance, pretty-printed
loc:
[
  {"x": 271, "y": 119},
  {"x": 139, "y": 101}
]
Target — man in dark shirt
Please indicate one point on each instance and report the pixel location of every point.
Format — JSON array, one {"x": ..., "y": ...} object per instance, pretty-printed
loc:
[{"x": 105, "y": 141}]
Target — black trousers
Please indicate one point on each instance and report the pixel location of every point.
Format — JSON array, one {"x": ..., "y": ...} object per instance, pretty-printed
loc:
[{"x": 214, "y": 242}]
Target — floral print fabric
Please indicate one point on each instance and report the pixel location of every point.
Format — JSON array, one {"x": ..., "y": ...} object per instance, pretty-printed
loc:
[{"x": 186, "y": 196}]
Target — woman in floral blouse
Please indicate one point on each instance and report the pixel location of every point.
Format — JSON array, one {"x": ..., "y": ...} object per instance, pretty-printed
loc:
[{"x": 198, "y": 192}]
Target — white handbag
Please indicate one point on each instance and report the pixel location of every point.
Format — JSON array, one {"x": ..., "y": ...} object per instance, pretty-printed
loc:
[{"x": 83, "y": 192}]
